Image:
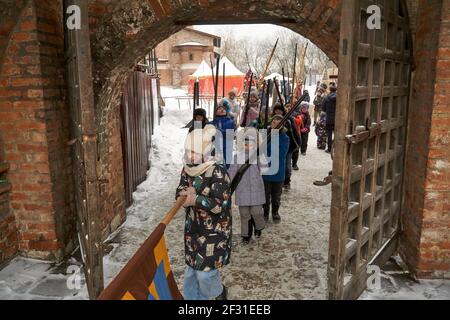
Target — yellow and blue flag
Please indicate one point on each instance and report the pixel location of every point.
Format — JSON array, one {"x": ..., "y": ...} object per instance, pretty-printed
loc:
[{"x": 147, "y": 276}]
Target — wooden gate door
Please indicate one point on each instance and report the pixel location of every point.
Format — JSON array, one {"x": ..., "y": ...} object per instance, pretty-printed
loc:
[
  {"x": 373, "y": 93},
  {"x": 84, "y": 147}
]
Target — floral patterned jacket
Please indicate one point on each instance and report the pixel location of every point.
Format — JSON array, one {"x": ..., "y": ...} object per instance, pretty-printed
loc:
[{"x": 207, "y": 234}]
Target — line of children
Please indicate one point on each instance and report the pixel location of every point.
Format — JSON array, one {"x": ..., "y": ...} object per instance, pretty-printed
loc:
[
  {"x": 257, "y": 194},
  {"x": 206, "y": 182}
]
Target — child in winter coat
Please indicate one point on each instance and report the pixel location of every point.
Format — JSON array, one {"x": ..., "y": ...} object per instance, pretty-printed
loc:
[
  {"x": 273, "y": 181},
  {"x": 234, "y": 105},
  {"x": 250, "y": 195},
  {"x": 207, "y": 235},
  {"x": 304, "y": 107},
  {"x": 298, "y": 121},
  {"x": 294, "y": 140},
  {"x": 224, "y": 123},
  {"x": 200, "y": 119},
  {"x": 321, "y": 132},
  {"x": 253, "y": 109}
]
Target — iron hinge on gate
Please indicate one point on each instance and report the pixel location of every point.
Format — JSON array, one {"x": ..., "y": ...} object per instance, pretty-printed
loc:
[{"x": 362, "y": 133}]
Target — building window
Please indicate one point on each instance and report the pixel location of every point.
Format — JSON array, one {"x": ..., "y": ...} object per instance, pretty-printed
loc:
[
  {"x": 191, "y": 56},
  {"x": 217, "y": 42}
]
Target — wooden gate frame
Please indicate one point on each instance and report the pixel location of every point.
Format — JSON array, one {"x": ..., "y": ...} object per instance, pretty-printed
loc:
[
  {"x": 84, "y": 147},
  {"x": 373, "y": 218}
]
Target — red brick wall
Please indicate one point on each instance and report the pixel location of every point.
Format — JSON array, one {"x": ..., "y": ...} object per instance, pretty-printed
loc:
[
  {"x": 434, "y": 259},
  {"x": 34, "y": 122},
  {"x": 168, "y": 50},
  {"x": 34, "y": 116},
  {"x": 8, "y": 231},
  {"x": 425, "y": 240}
]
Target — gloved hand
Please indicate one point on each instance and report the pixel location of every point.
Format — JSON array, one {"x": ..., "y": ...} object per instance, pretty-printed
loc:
[
  {"x": 190, "y": 201},
  {"x": 191, "y": 195}
]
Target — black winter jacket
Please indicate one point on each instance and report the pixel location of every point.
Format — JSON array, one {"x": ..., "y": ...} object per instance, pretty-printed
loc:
[{"x": 329, "y": 107}]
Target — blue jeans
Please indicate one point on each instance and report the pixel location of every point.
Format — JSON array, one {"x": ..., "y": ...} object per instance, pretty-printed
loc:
[{"x": 200, "y": 285}]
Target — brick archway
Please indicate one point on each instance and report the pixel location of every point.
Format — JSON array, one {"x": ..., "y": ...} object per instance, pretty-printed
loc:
[
  {"x": 121, "y": 31},
  {"x": 32, "y": 82}
]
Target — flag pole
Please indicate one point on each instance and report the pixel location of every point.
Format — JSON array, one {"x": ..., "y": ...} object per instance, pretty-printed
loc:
[
  {"x": 245, "y": 115},
  {"x": 268, "y": 62},
  {"x": 278, "y": 91},
  {"x": 262, "y": 99},
  {"x": 173, "y": 211},
  {"x": 266, "y": 114},
  {"x": 293, "y": 73},
  {"x": 223, "y": 81},
  {"x": 216, "y": 86}
]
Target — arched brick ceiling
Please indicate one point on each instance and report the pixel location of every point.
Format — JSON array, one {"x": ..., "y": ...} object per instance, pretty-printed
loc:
[
  {"x": 129, "y": 28},
  {"x": 9, "y": 15}
]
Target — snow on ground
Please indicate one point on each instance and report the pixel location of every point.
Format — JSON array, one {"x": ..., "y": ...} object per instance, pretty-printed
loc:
[
  {"x": 288, "y": 262},
  {"x": 295, "y": 250},
  {"x": 397, "y": 284}
]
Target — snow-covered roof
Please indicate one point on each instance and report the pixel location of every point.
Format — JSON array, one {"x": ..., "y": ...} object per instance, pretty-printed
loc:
[
  {"x": 191, "y": 44},
  {"x": 230, "y": 68},
  {"x": 276, "y": 75},
  {"x": 204, "y": 70}
]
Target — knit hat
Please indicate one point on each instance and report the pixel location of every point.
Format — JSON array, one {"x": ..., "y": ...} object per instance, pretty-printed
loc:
[
  {"x": 200, "y": 112},
  {"x": 304, "y": 104},
  {"x": 323, "y": 86},
  {"x": 254, "y": 93},
  {"x": 277, "y": 117},
  {"x": 223, "y": 107},
  {"x": 201, "y": 141},
  {"x": 278, "y": 106},
  {"x": 224, "y": 103}
]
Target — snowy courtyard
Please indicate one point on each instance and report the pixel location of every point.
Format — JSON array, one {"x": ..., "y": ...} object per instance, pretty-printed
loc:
[{"x": 288, "y": 262}]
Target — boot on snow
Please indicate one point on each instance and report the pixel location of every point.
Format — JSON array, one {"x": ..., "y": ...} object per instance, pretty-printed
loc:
[
  {"x": 251, "y": 223},
  {"x": 276, "y": 218},
  {"x": 223, "y": 295}
]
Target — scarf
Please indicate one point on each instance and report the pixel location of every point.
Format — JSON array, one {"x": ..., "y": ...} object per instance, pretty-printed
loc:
[{"x": 198, "y": 170}]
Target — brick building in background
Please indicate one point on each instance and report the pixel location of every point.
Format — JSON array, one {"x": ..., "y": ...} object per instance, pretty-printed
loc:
[
  {"x": 37, "y": 211},
  {"x": 180, "y": 55}
]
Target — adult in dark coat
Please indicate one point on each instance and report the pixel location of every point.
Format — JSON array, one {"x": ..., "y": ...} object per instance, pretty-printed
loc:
[
  {"x": 307, "y": 96},
  {"x": 329, "y": 107},
  {"x": 318, "y": 102}
]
